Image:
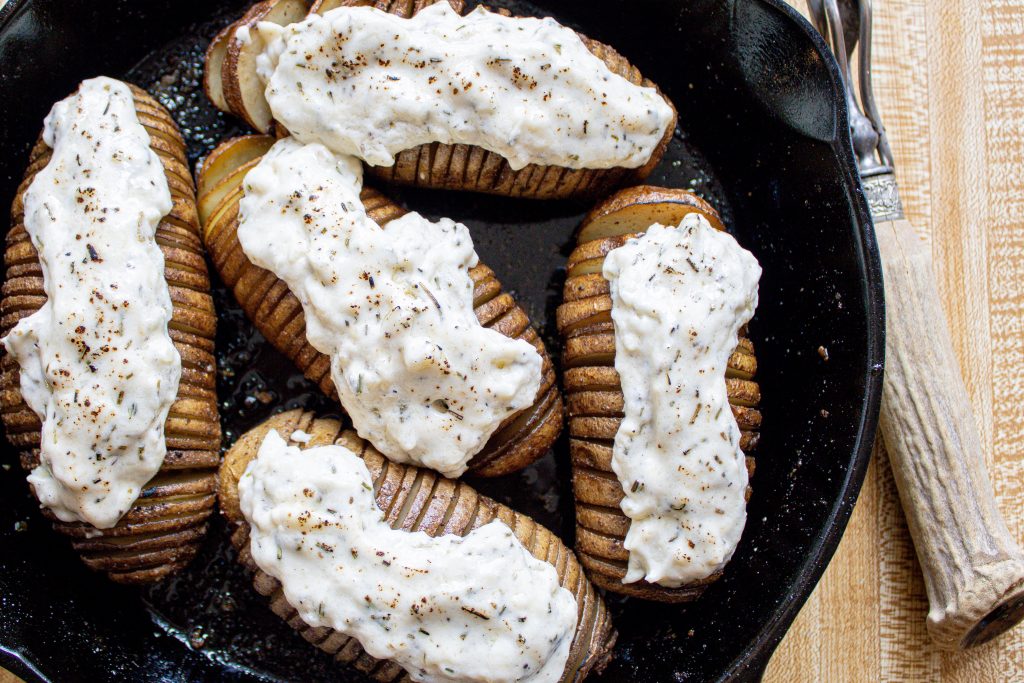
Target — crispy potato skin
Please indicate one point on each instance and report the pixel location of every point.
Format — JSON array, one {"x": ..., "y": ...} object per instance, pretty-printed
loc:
[
  {"x": 594, "y": 394},
  {"x": 413, "y": 499},
  {"x": 521, "y": 439},
  {"x": 459, "y": 166},
  {"x": 162, "y": 531},
  {"x": 241, "y": 88},
  {"x": 401, "y": 8}
]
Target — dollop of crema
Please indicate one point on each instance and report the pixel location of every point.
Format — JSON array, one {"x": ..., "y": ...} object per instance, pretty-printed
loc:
[
  {"x": 421, "y": 379},
  {"x": 679, "y": 298},
  {"x": 97, "y": 363},
  {"x": 474, "y": 608},
  {"x": 368, "y": 83}
]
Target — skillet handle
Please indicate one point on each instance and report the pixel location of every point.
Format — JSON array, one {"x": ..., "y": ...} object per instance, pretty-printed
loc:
[{"x": 973, "y": 568}]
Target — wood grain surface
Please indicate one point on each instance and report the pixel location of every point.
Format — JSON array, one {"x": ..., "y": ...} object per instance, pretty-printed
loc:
[{"x": 948, "y": 76}]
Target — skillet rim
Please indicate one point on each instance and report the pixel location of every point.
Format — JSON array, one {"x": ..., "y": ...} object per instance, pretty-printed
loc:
[{"x": 752, "y": 661}]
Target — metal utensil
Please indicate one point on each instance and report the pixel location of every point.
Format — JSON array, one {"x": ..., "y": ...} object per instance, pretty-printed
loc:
[{"x": 973, "y": 567}]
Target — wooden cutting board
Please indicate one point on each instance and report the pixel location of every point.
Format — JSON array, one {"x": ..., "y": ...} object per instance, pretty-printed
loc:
[{"x": 949, "y": 78}]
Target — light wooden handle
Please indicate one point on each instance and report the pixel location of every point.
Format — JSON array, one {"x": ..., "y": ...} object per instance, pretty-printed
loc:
[{"x": 973, "y": 568}]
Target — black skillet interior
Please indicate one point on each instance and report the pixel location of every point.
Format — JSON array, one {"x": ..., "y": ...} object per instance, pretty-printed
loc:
[{"x": 763, "y": 137}]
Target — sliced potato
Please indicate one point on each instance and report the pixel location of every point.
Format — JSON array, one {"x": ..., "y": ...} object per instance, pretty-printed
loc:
[
  {"x": 519, "y": 440},
  {"x": 402, "y": 8},
  {"x": 594, "y": 392},
  {"x": 465, "y": 167},
  {"x": 164, "y": 528},
  {"x": 643, "y": 205},
  {"x": 243, "y": 89},
  {"x": 434, "y": 165},
  {"x": 217, "y": 191},
  {"x": 213, "y": 83},
  {"x": 414, "y": 500},
  {"x": 325, "y": 6},
  {"x": 227, "y": 157},
  {"x": 216, "y": 53}
]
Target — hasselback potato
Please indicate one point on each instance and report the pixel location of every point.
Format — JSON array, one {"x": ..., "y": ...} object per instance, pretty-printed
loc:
[
  {"x": 163, "y": 529},
  {"x": 594, "y": 394},
  {"x": 414, "y": 499},
  {"x": 521, "y": 438},
  {"x": 232, "y": 85}
]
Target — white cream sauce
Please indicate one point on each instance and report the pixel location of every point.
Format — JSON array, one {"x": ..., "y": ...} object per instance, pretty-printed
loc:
[
  {"x": 299, "y": 436},
  {"x": 679, "y": 297},
  {"x": 420, "y": 377},
  {"x": 368, "y": 83},
  {"x": 97, "y": 363},
  {"x": 474, "y": 608}
]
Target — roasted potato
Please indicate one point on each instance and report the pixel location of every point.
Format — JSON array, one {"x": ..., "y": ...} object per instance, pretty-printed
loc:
[
  {"x": 594, "y": 395},
  {"x": 414, "y": 499},
  {"x": 163, "y": 529},
  {"x": 232, "y": 85},
  {"x": 521, "y": 439},
  {"x": 243, "y": 90}
]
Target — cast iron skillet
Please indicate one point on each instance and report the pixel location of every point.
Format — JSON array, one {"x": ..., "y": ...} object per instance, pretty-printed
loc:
[{"x": 764, "y": 138}]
